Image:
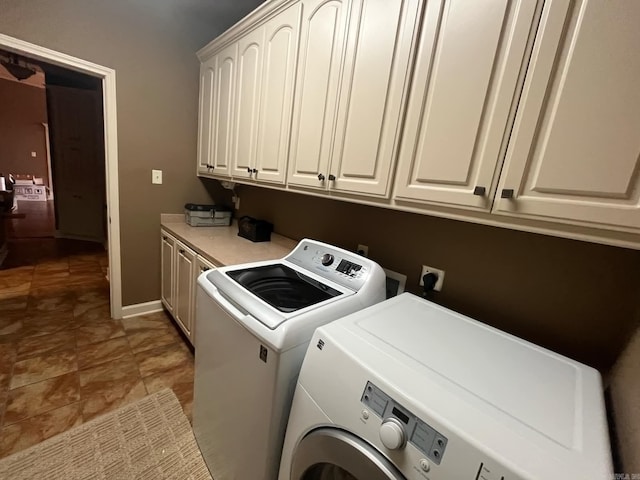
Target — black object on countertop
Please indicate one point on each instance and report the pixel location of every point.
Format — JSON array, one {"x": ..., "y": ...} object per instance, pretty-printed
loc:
[
  {"x": 196, "y": 207},
  {"x": 254, "y": 229}
]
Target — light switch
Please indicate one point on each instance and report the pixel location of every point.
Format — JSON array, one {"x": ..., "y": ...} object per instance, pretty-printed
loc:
[
  {"x": 33, "y": 154},
  {"x": 156, "y": 176}
]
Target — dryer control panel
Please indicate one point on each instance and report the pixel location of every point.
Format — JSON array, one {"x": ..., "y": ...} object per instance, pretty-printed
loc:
[{"x": 418, "y": 432}]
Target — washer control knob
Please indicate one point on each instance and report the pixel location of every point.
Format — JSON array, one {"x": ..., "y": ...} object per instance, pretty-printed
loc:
[
  {"x": 392, "y": 434},
  {"x": 327, "y": 259},
  {"x": 424, "y": 465}
]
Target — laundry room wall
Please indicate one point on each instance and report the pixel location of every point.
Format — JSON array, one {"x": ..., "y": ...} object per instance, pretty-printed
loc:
[
  {"x": 624, "y": 389},
  {"x": 576, "y": 298},
  {"x": 152, "y": 46}
]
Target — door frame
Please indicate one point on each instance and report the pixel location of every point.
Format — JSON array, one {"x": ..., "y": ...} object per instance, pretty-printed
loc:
[{"x": 108, "y": 77}]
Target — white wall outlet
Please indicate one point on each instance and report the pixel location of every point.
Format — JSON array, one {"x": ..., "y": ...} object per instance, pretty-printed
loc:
[
  {"x": 34, "y": 154},
  {"x": 156, "y": 177},
  {"x": 363, "y": 250},
  {"x": 426, "y": 269},
  {"x": 236, "y": 201}
]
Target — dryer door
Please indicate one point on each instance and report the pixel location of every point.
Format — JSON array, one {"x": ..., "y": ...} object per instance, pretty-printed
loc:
[{"x": 333, "y": 454}]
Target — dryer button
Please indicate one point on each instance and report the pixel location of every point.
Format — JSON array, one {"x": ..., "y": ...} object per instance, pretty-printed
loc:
[
  {"x": 424, "y": 465},
  {"x": 392, "y": 434},
  {"x": 365, "y": 414}
]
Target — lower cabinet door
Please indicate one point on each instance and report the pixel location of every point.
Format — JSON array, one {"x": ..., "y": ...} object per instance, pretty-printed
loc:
[
  {"x": 185, "y": 287},
  {"x": 168, "y": 247}
]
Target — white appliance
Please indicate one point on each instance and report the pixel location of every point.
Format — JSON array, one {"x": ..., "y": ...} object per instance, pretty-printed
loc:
[
  {"x": 254, "y": 322},
  {"x": 407, "y": 389}
]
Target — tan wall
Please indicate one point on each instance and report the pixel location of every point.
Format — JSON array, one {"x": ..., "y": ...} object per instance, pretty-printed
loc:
[
  {"x": 625, "y": 405},
  {"x": 23, "y": 110},
  {"x": 152, "y": 48},
  {"x": 574, "y": 297}
]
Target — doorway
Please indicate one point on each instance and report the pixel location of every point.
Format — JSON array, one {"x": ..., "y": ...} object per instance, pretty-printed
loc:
[{"x": 108, "y": 177}]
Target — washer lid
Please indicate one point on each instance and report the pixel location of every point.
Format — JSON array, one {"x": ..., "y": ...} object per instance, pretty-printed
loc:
[{"x": 533, "y": 386}]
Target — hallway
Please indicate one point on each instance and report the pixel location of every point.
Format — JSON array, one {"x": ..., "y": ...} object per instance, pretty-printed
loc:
[{"x": 63, "y": 360}]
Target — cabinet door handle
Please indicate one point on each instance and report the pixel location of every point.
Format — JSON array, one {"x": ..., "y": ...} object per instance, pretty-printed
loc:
[
  {"x": 321, "y": 177},
  {"x": 255, "y": 170},
  {"x": 507, "y": 193},
  {"x": 248, "y": 170},
  {"x": 164, "y": 238},
  {"x": 480, "y": 191},
  {"x": 332, "y": 178},
  {"x": 182, "y": 251},
  {"x": 204, "y": 269}
]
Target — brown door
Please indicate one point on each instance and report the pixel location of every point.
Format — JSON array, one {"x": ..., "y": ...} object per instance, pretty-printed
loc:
[{"x": 77, "y": 157}]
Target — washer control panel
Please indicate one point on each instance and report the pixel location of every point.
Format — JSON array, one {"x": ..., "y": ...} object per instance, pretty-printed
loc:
[
  {"x": 419, "y": 433},
  {"x": 343, "y": 267}
]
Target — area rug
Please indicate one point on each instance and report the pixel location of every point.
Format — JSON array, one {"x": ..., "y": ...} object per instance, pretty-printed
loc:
[{"x": 147, "y": 440}]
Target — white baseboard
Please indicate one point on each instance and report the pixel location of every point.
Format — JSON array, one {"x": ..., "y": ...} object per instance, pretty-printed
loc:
[{"x": 141, "y": 308}]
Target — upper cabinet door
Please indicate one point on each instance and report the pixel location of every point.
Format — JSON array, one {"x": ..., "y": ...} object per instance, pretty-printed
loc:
[
  {"x": 469, "y": 59},
  {"x": 280, "y": 56},
  {"x": 248, "y": 87},
  {"x": 205, "y": 113},
  {"x": 321, "y": 50},
  {"x": 224, "y": 109},
  {"x": 575, "y": 148},
  {"x": 373, "y": 92}
]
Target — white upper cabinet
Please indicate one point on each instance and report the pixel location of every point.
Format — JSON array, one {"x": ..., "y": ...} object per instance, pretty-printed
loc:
[
  {"x": 247, "y": 102},
  {"x": 373, "y": 94},
  {"x": 278, "y": 76},
  {"x": 224, "y": 110},
  {"x": 205, "y": 114},
  {"x": 321, "y": 50},
  {"x": 469, "y": 58},
  {"x": 349, "y": 143},
  {"x": 574, "y": 152}
]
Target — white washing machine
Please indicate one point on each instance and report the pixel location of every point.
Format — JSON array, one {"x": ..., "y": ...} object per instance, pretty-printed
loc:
[
  {"x": 407, "y": 389},
  {"x": 254, "y": 322}
]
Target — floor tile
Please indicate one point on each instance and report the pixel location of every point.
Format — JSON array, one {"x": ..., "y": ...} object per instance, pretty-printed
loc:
[
  {"x": 102, "y": 352},
  {"x": 38, "y": 323},
  {"x": 121, "y": 394},
  {"x": 98, "y": 332},
  {"x": 10, "y": 324},
  {"x": 93, "y": 295},
  {"x": 109, "y": 386},
  {"x": 37, "y": 398},
  {"x": 21, "y": 435},
  {"x": 38, "y": 345},
  {"x": 42, "y": 367},
  {"x": 52, "y": 266},
  {"x": 158, "y": 320},
  {"x": 48, "y": 300},
  {"x": 157, "y": 360},
  {"x": 50, "y": 279},
  {"x": 91, "y": 312},
  {"x": 13, "y": 303},
  {"x": 179, "y": 379},
  {"x": 142, "y": 340},
  {"x": 8, "y": 353}
]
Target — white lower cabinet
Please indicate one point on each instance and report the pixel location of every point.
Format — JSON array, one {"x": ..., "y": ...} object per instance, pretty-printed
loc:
[
  {"x": 168, "y": 248},
  {"x": 181, "y": 267}
]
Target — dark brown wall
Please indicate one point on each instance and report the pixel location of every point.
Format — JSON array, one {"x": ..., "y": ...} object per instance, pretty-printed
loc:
[
  {"x": 151, "y": 44},
  {"x": 23, "y": 110},
  {"x": 577, "y": 298}
]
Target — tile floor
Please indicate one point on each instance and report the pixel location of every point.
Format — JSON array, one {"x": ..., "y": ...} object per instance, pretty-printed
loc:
[{"x": 63, "y": 360}]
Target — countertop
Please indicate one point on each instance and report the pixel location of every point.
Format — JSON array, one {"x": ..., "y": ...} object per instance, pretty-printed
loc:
[{"x": 222, "y": 245}]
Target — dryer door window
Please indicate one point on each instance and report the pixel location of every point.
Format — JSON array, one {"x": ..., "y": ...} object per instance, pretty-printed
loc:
[{"x": 333, "y": 454}]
